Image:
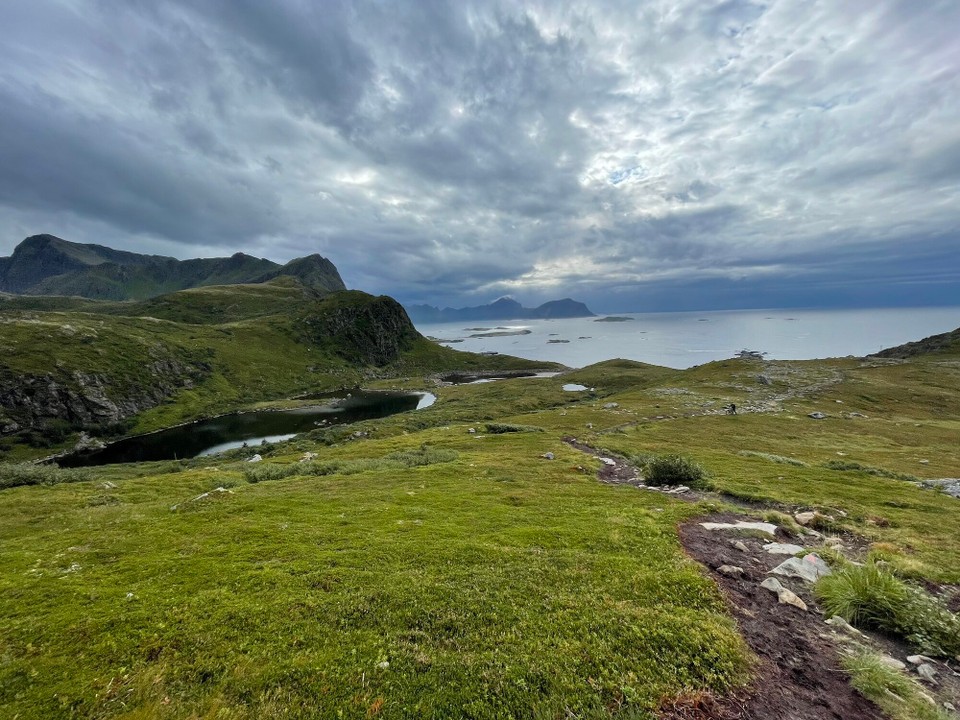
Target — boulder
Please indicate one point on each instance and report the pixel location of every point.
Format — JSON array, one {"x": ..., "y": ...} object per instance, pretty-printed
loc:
[
  {"x": 784, "y": 596},
  {"x": 783, "y": 548},
  {"x": 817, "y": 415},
  {"x": 805, "y": 518},
  {"x": 730, "y": 570},
  {"x": 764, "y": 527},
  {"x": 809, "y": 569}
]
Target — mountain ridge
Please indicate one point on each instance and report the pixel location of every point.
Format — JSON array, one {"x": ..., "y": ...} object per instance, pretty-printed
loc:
[
  {"x": 501, "y": 309},
  {"x": 48, "y": 265}
]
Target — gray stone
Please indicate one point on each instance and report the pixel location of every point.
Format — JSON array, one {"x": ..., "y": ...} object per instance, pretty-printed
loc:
[
  {"x": 255, "y": 458},
  {"x": 731, "y": 570},
  {"x": 840, "y": 624},
  {"x": 927, "y": 672},
  {"x": 892, "y": 663},
  {"x": 740, "y": 545},
  {"x": 918, "y": 659},
  {"x": 764, "y": 527},
  {"x": 608, "y": 461},
  {"x": 809, "y": 569},
  {"x": 471, "y": 430},
  {"x": 784, "y": 596},
  {"x": 547, "y": 456},
  {"x": 764, "y": 380},
  {"x": 805, "y": 518},
  {"x": 817, "y": 415},
  {"x": 611, "y": 406},
  {"x": 782, "y": 548}
]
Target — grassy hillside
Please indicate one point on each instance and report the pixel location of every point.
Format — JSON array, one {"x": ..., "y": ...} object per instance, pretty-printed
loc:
[
  {"x": 429, "y": 571},
  {"x": 133, "y": 367}
]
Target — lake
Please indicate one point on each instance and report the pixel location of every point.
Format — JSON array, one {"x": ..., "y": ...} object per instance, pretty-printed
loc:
[
  {"x": 682, "y": 340},
  {"x": 208, "y": 437}
]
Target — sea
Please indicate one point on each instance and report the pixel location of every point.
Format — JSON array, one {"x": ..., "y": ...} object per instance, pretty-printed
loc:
[{"x": 685, "y": 339}]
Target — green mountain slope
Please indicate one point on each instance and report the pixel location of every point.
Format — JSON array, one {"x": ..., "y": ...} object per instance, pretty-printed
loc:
[
  {"x": 47, "y": 265},
  {"x": 107, "y": 368}
]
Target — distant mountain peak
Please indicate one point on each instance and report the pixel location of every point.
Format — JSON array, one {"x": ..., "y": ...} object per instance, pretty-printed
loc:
[{"x": 505, "y": 308}]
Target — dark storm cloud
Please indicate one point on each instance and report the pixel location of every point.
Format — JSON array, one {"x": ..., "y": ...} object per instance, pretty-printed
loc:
[{"x": 667, "y": 152}]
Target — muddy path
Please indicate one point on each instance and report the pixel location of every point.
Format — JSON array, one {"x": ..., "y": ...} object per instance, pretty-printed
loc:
[{"x": 799, "y": 675}]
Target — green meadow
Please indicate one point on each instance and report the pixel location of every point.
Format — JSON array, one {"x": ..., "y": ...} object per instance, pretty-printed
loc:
[{"x": 427, "y": 571}]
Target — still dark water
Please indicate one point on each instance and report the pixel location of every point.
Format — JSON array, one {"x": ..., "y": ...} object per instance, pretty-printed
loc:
[{"x": 207, "y": 437}]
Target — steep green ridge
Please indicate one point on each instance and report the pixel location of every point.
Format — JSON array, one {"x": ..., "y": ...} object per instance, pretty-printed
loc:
[
  {"x": 48, "y": 265},
  {"x": 107, "y": 368},
  {"x": 423, "y": 570}
]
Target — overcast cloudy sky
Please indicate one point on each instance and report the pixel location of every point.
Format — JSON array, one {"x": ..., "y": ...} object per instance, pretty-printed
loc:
[{"x": 661, "y": 154}]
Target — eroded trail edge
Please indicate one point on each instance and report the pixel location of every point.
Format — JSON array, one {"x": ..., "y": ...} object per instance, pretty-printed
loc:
[{"x": 799, "y": 675}]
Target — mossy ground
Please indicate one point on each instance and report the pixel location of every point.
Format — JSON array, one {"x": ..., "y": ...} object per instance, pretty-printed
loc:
[{"x": 493, "y": 583}]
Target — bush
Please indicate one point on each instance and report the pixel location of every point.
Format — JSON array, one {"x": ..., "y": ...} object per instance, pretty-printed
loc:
[
  {"x": 16, "y": 475},
  {"x": 500, "y": 428},
  {"x": 870, "y": 596},
  {"x": 676, "y": 470}
]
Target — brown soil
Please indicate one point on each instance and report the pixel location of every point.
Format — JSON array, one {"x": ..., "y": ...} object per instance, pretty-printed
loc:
[{"x": 799, "y": 675}]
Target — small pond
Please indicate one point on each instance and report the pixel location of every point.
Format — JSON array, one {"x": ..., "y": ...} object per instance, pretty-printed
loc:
[{"x": 208, "y": 437}]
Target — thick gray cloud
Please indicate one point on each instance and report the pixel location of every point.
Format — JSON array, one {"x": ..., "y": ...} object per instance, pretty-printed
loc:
[{"x": 671, "y": 153}]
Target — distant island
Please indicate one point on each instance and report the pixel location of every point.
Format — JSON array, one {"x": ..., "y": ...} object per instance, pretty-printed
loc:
[
  {"x": 613, "y": 318},
  {"x": 48, "y": 265},
  {"x": 502, "y": 309}
]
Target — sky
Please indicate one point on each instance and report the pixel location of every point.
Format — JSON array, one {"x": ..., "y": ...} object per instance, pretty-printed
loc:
[{"x": 635, "y": 155}]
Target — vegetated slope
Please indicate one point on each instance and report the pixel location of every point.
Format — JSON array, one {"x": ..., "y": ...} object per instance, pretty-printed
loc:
[
  {"x": 944, "y": 343},
  {"x": 48, "y": 265},
  {"x": 419, "y": 569},
  {"x": 197, "y": 352}
]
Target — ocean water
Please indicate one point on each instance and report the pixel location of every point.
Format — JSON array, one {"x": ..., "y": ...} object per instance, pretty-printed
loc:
[{"x": 682, "y": 340}]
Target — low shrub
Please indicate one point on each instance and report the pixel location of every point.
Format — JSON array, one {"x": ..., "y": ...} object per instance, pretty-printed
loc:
[
  {"x": 19, "y": 474},
  {"x": 500, "y": 428},
  {"x": 845, "y": 466},
  {"x": 676, "y": 470}
]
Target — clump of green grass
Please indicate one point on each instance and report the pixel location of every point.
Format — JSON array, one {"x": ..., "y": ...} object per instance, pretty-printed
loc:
[
  {"x": 401, "y": 460},
  {"x": 19, "y": 474},
  {"x": 845, "y": 466},
  {"x": 897, "y": 695},
  {"x": 782, "y": 460},
  {"x": 676, "y": 470},
  {"x": 871, "y": 596},
  {"x": 501, "y": 428}
]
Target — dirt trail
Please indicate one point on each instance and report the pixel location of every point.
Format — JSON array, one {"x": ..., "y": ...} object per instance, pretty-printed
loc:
[{"x": 799, "y": 675}]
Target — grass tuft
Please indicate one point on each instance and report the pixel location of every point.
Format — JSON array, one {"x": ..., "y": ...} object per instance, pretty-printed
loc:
[
  {"x": 869, "y": 596},
  {"x": 898, "y": 695}
]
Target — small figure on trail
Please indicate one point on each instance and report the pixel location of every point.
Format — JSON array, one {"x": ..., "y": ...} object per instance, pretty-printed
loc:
[{"x": 732, "y": 409}]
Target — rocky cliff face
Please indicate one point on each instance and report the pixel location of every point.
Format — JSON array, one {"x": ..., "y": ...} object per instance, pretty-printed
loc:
[
  {"x": 360, "y": 328},
  {"x": 88, "y": 401}
]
